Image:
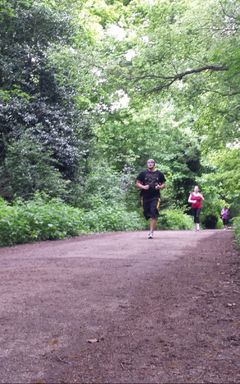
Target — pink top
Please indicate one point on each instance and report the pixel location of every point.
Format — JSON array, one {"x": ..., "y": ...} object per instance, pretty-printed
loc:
[{"x": 198, "y": 198}]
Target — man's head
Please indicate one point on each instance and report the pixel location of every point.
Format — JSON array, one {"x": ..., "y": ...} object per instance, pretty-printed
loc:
[{"x": 150, "y": 164}]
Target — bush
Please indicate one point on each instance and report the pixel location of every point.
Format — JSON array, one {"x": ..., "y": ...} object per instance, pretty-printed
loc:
[
  {"x": 44, "y": 218},
  {"x": 29, "y": 167},
  {"x": 38, "y": 220},
  {"x": 236, "y": 228},
  {"x": 107, "y": 218},
  {"x": 212, "y": 205},
  {"x": 103, "y": 187},
  {"x": 48, "y": 219},
  {"x": 210, "y": 221},
  {"x": 174, "y": 219}
]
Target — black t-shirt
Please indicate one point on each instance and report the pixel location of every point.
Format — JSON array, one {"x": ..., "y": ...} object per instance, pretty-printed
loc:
[{"x": 152, "y": 179}]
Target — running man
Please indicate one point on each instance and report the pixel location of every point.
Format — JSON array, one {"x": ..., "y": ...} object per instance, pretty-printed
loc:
[{"x": 150, "y": 182}]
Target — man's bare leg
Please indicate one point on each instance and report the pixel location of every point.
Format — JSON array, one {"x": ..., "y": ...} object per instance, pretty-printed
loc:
[{"x": 153, "y": 226}]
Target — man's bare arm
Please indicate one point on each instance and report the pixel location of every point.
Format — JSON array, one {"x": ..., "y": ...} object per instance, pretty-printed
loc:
[
  {"x": 160, "y": 186},
  {"x": 141, "y": 186}
]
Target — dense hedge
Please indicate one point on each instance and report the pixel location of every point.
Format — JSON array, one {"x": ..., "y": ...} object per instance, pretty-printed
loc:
[
  {"x": 236, "y": 228},
  {"x": 42, "y": 219},
  {"x": 175, "y": 219},
  {"x": 46, "y": 220}
]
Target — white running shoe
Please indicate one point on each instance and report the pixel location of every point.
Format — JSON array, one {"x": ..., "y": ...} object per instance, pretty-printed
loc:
[{"x": 150, "y": 235}]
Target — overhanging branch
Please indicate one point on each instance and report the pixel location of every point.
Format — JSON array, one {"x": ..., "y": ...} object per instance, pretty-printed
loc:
[{"x": 169, "y": 80}]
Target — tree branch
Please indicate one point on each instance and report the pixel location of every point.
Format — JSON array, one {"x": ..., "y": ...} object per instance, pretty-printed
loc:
[
  {"x": 180, "y": 76},
  {"x": 230, "y": 16}
]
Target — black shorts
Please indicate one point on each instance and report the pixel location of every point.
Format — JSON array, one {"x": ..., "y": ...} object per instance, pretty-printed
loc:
[{"x": 151, "y": 207}]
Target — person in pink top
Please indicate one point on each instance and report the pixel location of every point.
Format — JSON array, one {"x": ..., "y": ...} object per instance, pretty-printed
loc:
[{"x": 196, "y": 199}]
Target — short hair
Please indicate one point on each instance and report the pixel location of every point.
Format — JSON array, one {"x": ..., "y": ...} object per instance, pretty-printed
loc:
[{"x": 151, "y": 160}]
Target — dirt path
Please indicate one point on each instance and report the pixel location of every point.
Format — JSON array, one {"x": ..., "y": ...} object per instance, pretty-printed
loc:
[{"x": 155, "y": 311}]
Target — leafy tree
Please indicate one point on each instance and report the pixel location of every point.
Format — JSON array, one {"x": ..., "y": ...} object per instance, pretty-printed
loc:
[
  {"x": 32, "y": 100},
  {"x": 35, "y": 172},
  {"x": 224, "y": 173},
  {"x": 113, "y": 83},
  {"x": 129, "y": 137}
]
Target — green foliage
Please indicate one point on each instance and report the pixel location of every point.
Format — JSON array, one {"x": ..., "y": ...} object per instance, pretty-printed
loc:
[
  {"x": 38, "y": 219},
  {"x": 236, "y": 228},
  {"x": 90, "y": 90},
  {"x": 37, "y": 100},
  {"x": 113, "y": 218},
  {"x": 29, "y": 167},
  {"x": 211, "y": 221},
  {"x": 212, "y": 204},
  {"x": 220, "y": 183},
  {"x": 43, "y": 218},
  {"x": 226, "y": 174},
  {"x": 128, "y": 138},
  {"x": 174, "y": 219},
  {"x": 104, "y": 186}
]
